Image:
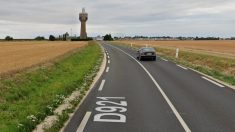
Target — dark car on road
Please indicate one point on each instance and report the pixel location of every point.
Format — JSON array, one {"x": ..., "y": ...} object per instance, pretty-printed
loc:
[{"x": 146, "y": 53}]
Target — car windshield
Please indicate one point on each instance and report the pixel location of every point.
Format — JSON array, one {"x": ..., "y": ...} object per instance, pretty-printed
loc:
[{"x": 148, "y": 49}]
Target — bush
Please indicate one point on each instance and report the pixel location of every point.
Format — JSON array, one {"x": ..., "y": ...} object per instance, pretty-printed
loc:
[
  {"x": 9, "y": 38},
  {"x": 52, "y": 38},
  {"x": 39, "y": 38}
]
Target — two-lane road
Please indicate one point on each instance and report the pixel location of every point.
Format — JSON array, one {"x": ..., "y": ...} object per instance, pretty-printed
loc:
[{"x": 148, "y": 96}]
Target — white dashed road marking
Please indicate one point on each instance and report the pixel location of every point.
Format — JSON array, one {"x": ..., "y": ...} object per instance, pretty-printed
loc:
[
  {"x": 213, "y": 82},
  {"x": 182, "y": 67},
  {"x": 107, "y": 69},
  {"x": 84, "y": 122},
  {"x": 101, "y": 85},
  {"x": 164, "y": 59}
]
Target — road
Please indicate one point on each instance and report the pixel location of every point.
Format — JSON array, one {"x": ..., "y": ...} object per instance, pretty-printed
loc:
[{"x": 152, "y": 96}]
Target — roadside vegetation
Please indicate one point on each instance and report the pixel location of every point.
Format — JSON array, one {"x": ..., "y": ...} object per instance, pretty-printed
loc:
[
  {"x": 220, "y": 68},
  {"x": 9, "y": 38},
  {"x": 108, "y": 37},
  {"x": 28, "y": 97}
]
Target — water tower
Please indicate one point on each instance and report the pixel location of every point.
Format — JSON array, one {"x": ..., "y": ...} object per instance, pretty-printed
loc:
[{"x": 83, "y": 17}]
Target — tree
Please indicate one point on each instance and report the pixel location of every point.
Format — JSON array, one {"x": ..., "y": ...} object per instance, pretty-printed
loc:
[
  {"x": 39, "y": 38},
  {"x": 108, "y": 37},
  {"x": 9, "y": 38},
  {"x": 52, "y": 38}
]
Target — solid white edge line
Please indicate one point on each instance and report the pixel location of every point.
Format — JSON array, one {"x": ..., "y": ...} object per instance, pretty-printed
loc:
[
  {"x": 84, "y": 122},
  {"x": 180, "y": 119},
  {"x": 107, "y": 69},
  {"x": 109, "y": 61},
  {"x": 101, "y": 85},
  {"x": 213, "y": 82},
  {"x": 182, "y": 67}
]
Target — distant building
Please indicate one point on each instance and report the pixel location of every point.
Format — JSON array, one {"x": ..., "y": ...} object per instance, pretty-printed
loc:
[{"x": 98, "y": 38}]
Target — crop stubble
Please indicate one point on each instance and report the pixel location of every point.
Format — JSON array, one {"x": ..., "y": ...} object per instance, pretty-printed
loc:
[{"x": 220, "y": 48}]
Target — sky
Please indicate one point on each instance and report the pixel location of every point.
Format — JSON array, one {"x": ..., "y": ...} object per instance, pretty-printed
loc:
[{"x": 31, "y": 18}]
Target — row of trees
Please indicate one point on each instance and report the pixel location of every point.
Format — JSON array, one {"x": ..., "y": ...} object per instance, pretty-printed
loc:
[
  {"x": 51, "y": 38},
  {"x": 171, "y": 38},
  {"x": 207, "y": 38},
  {"x": 108, "y": 37}
]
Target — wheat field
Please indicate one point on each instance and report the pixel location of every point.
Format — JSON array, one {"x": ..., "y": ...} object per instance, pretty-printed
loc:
[
  {"x": 15, "y": 56},
  {"x": 225, "y": 48}
]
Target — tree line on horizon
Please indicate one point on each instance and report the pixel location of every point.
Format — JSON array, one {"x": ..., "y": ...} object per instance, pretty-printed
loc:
[
  {"x": 173, "y": 38},
  {"x": 108, "y": 37},
  {"x": 38, "y": 38}
]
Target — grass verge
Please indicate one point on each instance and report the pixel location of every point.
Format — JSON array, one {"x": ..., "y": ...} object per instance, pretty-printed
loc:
[
  {"x": 218, "y": 67},
  {"x": 27, "y": 98},
  {"x": 62, "y": 118}
]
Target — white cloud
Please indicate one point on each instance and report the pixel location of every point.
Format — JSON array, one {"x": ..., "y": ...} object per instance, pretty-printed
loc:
[
  {"x": 29, "y": 18},
  {"x": 218, "y": 9}
]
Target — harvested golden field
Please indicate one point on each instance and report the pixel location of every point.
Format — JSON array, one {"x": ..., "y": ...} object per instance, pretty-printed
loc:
[
  {"x": 15, "y": 56},
  {"x": 225, "y": 48}
]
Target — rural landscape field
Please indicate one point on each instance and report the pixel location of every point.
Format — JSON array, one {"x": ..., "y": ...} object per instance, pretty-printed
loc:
[
  {"x": 146, "y": 66},
  {"x": 225, "y": 48},
  {"x": 15, "y": 56}
]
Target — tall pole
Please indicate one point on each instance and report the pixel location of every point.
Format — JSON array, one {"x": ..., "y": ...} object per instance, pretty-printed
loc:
[{"x": 71, "y": 32}]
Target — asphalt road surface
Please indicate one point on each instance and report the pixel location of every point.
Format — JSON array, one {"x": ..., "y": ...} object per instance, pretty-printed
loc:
[{"x": 153, "y": 96}]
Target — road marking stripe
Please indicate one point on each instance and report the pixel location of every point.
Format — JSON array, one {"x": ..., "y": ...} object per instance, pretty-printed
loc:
[
  {"x": 182, "y": 67},
  {"x": 101, "y": 85},
  {"x": 164, "y": 59},
  {"x": 109, "y": 61},
  {"x": 180, "y": 119},
  {"x": 213, "y": 82},
  {"x": 107, "y": 69},
  {"x": 106, "y": 98},
  {"x": 84, "y": 122}
]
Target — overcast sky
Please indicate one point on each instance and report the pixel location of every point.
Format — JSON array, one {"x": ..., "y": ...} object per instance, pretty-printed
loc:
[{"x": 30, "y": 18}]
